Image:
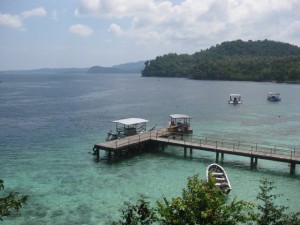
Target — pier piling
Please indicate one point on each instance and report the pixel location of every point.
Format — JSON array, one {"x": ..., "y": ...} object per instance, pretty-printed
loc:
[
  {"x": 159, "y": 139},
  {"x": 292, "y": 168},
  {"x": 217, "y": 156}
]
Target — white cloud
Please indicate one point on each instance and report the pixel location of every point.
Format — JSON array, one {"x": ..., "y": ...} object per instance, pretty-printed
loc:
[
  {"x": 291, "y": 33},
  {"x": 114, "y": 8},
  {"x": 40, "y": 11},
  {"x": 195, "y": 21},
  {"x": 81, "y": 30},
  {"x": 294, "y": 29},
  {"x": 115, "y": 29},
  {"x": 16, "y": 21},
  {"x": 10, "y": 21}
]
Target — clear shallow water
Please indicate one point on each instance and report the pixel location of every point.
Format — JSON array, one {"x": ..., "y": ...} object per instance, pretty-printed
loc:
[{"x": 49, "y": 124}]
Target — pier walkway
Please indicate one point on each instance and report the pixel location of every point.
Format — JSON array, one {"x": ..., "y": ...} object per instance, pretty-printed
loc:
[{"x": 161, "y": 138}]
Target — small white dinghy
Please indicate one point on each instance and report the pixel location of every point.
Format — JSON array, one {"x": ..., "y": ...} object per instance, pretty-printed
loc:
[{"x": 218, "y": 173}]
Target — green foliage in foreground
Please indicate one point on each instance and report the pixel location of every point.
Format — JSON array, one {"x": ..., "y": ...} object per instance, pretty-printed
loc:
[
  {"x": 269, "y": 212},
  {"x": 11, "y": 202},
  {"x": 139, "y": 213},
  {"x": 203, "y": 203}
]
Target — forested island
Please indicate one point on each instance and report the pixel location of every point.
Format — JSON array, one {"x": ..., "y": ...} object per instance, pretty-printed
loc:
[{"x": 234, "y": 60}]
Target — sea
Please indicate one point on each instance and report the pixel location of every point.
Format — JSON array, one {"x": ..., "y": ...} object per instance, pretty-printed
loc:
[{"x": 49, "y": 124}]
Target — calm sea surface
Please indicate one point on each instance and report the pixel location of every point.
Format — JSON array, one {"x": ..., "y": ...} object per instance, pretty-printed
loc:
[{"x": 49, "y": 124}]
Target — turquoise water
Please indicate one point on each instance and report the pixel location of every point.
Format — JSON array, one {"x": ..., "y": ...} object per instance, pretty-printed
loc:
[{"x": 49, "y": 124}]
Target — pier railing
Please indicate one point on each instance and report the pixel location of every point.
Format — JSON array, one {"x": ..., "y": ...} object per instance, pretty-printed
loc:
[
  {"x": 222, "y": 144},
  {"x": 236, "y": 145}
]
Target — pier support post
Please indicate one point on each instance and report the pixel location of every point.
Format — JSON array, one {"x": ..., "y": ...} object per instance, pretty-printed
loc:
[
  {"x": 184, "y": 151},
  {"x": 253, "y": 162},
  {"x": 98, "y": 154},
  {"x": 156, "y": 146},
  {"x": 292, "y": 168},
  {"x": 117, "y": 154},
  {"x": 222, "y": 156},
  {"x": 191, "y": 151},
  {"x": 217, "y": 156}
]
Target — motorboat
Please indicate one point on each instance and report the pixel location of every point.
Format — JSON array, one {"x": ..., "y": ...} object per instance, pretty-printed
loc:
[
  {"x": 273, "y": 96},
  {"x": 217, "y": 172},
  {"x": 235, "y": 99},
  {"x": 179, "y": 123},
  {"x": 127, "y": 127}
]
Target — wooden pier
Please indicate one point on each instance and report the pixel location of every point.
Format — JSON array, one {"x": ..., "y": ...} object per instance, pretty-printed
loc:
[{"x": 159, "y": 139}]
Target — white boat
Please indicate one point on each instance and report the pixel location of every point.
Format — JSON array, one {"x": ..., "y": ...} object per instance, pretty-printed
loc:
[
  {"x": 235, "y": 99},
  {"x": 127, "y": 127},
  {"x": 180, "y": 123},
  {"x": 273, "y": 97},
  {"x": 217, "y": 173}
]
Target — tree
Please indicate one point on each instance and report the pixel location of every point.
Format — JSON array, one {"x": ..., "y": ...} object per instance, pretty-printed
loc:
[
  {"x": 204, "y": 203},
  {"x": 201, "y": 203},
  {"x": 234, "y": 60},
  {"x": 140, "y": 213},
  {"x": 269, "y": 212},
  {"x": 11, "y": 202}
]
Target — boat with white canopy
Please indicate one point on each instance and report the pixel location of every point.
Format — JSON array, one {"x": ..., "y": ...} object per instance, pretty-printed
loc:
[
  {"x": 127, "y": 127},
  {"x": 179, "y": 123},
  {"x": 273, "y": 96},
  {"x": 235, "y": 99}
]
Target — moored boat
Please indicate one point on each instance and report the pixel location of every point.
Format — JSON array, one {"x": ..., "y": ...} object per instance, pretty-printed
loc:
[
  {"x": 235, "y": 99},
  {"x": 273, "y": 96},
  {"x": 218, "y": 173},
  {"x": 180, "y": 123},
  {"x": 127, "y": 127}
]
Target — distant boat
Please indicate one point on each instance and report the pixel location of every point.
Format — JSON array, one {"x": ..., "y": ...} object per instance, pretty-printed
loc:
[
  {"x": 235, "y": 99},
  {"x": 273, "y": 97},
  {"x": 217, "y": 173},
  {"x": 127, "y": 127}
]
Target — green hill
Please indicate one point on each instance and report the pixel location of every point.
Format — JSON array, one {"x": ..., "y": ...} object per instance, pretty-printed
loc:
[
  {"x": 235, "y": 60},
  {"x": 100, "y": 69},
  {"x": 134, "y": 67}
]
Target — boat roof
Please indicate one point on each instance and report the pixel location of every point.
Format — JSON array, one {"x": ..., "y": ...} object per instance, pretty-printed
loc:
[
  {"x": 130, "y": 121},
  {"x": 235, "y": 95},
  {"x": 273, "y": 93},
  {"x": 180, "y": 116}
]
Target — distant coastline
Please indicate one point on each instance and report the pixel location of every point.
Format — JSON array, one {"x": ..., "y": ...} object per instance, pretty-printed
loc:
[
  {"x": 133, "y": 67},
  {"x": 260, "y": 61}
]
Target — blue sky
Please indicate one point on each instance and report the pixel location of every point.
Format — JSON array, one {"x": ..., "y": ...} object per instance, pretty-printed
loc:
[{"x": 83, "y": 33}]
